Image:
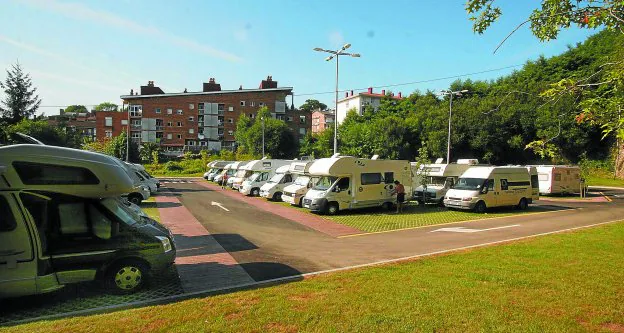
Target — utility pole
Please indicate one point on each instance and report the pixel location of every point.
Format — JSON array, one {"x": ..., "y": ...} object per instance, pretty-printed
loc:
[{"x": 450, "y": 94}]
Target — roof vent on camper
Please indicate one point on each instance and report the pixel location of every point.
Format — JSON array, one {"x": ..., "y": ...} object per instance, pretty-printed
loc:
[
  {"x": 471, "y": 161},
  {"x": 335, "y": 155},
  {"x": 439, "y": 160},
  {"x": 375, "y": 157}
]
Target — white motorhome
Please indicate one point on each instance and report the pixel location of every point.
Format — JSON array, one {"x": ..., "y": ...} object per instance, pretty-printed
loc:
[
  {"x": 262, "y": 170},
  {"x": 215, "y": 168},
  {"x": 227, "y": 172},
  {"x": 440, "y": 177},
  {"x": 348, "y": 182},
  {"x": 143, "y": 179},
  {"x": 294, "y": 193},
  {"x": 274, "y": 188},
  {"x": 482, "y": 187},
  {"x": 62, "y": 222},
  {"x": 559, "y": 179},
  {"x": 243, "y": 172},
  {"x": 239, "y": 169}
]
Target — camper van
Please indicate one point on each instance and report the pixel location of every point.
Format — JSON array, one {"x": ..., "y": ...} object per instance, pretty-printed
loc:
[
  {"x": 215, "y": 168},
  {"x": 238, "y": 170},
  {"x": 243, "y": 172},
  {"x": 274, "y": 188},
  {"x": 141, "y": 169},
  {"x": 482, "y": 187},
  {"x": 440, "y": 177},
  {"x": 347, "y": 182},
  {"x": 262, "y": 170},
  {"x": 228, "y": 171},
  {"x": 62, "y": 222},
  {"x": 294, "y": 193},
  {"x": 143, "y": 180},
  {"x": 558, "y": 179}
]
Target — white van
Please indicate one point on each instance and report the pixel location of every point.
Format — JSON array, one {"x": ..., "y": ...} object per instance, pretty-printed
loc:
[
  {"x": 143, "y": 179},
  {"x": 215, "y": 168},
  {"x": 294, "y": 193},
  {"x": 559, "y": 179},
  {"x": 227, "y": 172},
  {"x": 239, "y": 174},
  {"x": 348, "y": 182},
  {"x": 440, "y": 177},
  {"x": 262, "y": 170},
  {"x": 483, "y": 187},
  {"x": 274, "y": 188},
  {"x": 62, "y": 222}
]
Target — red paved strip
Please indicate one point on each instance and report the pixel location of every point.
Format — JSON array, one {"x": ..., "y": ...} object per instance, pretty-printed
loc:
[{"x": 311, "y": 221}]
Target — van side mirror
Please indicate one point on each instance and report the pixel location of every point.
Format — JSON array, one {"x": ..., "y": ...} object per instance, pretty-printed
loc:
[{"x": 337, "y": 189}]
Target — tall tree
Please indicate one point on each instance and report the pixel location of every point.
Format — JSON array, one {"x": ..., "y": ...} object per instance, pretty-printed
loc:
[
  {"x": 106, "y": 106},
  {"x": 21, "y": 100},
  {"x": 279, "y": 141},
  {"x": 76, "y": 109},
  {"x": 312, "y": 104}
]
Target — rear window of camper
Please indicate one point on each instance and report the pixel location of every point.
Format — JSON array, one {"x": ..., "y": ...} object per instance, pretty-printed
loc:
[{"x": 48, "y": 174}]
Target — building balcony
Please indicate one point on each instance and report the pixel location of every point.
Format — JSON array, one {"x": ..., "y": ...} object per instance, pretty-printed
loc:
[
  {"x": 160, "y": 128},
  {"x": 135, "y": 127},
  {"x": 136, "y": 114}
]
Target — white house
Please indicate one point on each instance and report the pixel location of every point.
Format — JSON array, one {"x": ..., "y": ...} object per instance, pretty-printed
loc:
[{"x": 360, "y": 101}]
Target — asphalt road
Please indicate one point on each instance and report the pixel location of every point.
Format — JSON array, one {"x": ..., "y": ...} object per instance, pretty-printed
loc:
[{"x": 269, "y": 246}]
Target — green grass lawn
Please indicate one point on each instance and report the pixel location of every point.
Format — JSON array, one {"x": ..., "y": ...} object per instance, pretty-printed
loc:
[
  {"x": 149, "y": 207},
  {"x": 567, "y": 282},
  {"x": 605, "y": 181},
  {"x": 377, "y": 219}
]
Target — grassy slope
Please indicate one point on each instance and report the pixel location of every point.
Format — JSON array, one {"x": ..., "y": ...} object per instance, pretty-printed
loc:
[{"x": 566, "y": 282}]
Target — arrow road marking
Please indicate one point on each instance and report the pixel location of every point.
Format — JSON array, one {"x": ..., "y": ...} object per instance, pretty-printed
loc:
[
  {"x": 219, "y": 205},
  {"x": 467, "y": 230}
]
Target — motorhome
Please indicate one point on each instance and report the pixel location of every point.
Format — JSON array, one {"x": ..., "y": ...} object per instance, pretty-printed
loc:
[
  {"x": 243, "y": 172},
  {"x": 534, "y": 182},
  {"x": 348, "y": 182},
  {"x": 62, "y": 222},
  {"x": 482, "y": 187},
  {"x": 262, "y": 171},
  {"x": 143, "y": 179},
  {"x": 215, "y": 168},
  {"x": 559, "y": 179},
  {"x": 274, "y": 188},
  {"x": 141, "y": 169},
  {"x": 294, "y": 193},
  {"x": 227, "y": 172},
  {"x": 439, "y": 178},
  {"x": 238, "y": 169}
]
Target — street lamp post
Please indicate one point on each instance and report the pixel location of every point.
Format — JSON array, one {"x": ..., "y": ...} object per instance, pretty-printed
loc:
[
  {"x": 336, "y": 54},
  {"x": 262, "y": 119},
  {"x": 450, "y": 94}
]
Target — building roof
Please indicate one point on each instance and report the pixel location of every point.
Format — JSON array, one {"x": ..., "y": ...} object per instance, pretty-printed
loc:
[
  {"x": 285, "y": 89},
  {"x": 366, "y": 94}
]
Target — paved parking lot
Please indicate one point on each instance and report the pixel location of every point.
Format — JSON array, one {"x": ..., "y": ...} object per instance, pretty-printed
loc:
[{"x": 226, "y": 240}]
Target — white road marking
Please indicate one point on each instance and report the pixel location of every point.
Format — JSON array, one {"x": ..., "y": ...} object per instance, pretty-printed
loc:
[
  {"x": 219, "y": 205},
  {"x": 468, "y": 230}
]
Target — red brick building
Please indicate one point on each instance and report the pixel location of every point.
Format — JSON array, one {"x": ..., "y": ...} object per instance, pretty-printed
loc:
[
  {"x": 198, "y": 120},
  {"x": 82, "y": 123},
  {"x": 322, "y": 120}
]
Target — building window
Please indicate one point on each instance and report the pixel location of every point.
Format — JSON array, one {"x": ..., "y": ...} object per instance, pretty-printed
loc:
[
  {"x": 159, "y": 135},
  {"x": 136, "y": 135},
  {"x": 179, "y": 136},
  {"x": 179, "y": 124},
  {"x": 169, "y": 111},
  {"x": 191, "y": 130},
  {"x": 169, "y": 123},
  {"x": 124, "y": 121},
  {"x": 157, "y": 110},
  {"x": 169, "y": 136},
  {"x": 279, "y": 117},
  {"x": 302, "y": 130},
  {"x": 108, "y": 121},
  {"x": 230, "y": 132},
  {"x": 302, "y": 119},
  {"x": 231, "y": 109},
  {"x": 191, "y": 118},
  {"x": 230, "y": 120},
  {"x": 252, "y": 116},
  {"x": 109, "y": 134},
  {"x": 261, "y": 104},
  {"x": 191, "y": 106},
  {"x": 289, "y": 119},
  {"x": 252, "y": 103},
  {"x": 242, "y": 103},
  {"x": 135, "y": 110},
  {"x": 179, "y": 111}
]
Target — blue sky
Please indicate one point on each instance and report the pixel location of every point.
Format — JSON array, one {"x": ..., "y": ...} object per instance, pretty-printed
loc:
[{"x": 94, "y": 51}]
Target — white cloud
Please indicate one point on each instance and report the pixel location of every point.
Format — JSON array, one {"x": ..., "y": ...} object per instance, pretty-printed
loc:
[
  {"x": 336, "y": 39},
  {"x": 83, "y": 12}
]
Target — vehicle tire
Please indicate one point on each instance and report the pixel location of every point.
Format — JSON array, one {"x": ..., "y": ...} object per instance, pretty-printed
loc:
[
  {"x": 420, "y": 202},
  {"x": 300, "y": 203},
  {"x": 480, "y": 207},
  {"x": 523, "y": 204},
  {"x": 254, "y": 192},
  {"x": 277, "y": 196},
  {"x": 387, "y": 205},
  {"x": 135, "y": 198},
  {"x": 332, "y": 208},
  {"x": 441, "y": 203},
  {"x": 126, "y": 277}
]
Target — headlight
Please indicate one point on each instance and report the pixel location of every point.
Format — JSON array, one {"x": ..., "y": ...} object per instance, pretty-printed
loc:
[
  {"x": 144, "y": 188},
  {"x": 467, "y": 199},
  {"x": 166, "y": 243}
]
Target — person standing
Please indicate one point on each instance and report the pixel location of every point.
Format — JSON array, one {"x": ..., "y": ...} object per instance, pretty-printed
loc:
[
  {"x": 399, "y": 189},
  {"x": 224, "y": 180}
]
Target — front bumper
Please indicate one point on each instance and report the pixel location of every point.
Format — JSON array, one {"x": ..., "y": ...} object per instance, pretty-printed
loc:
[
  {"x": 315, "y": 205},
  {"x": 291, "y": 199},
  {"x": 266, "y": 194},
  {"x": 246, "y": 190},
  {"x": 459, "y": 204}
]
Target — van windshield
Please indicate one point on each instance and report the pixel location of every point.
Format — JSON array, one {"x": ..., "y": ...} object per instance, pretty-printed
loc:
[
  {"x": 470, "y": 184},
  {"x": 325, "y": 183},
  {"x": 240, "y": 173},
  {"x": 436, "y": 181},
  {"x": 254, "y": 177},
  {"x": 123, "y": 212},
  {"x": 276, "y": 178},
  {"x": 302, "y": 180}
]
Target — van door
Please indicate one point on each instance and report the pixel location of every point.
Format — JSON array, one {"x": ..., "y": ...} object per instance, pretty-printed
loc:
[
  {"x": 18, "y": 264},
  {"x": 343, "y": 193},
  {"x": 492, "y": 194},
  {"x": 371, "y": 190}
]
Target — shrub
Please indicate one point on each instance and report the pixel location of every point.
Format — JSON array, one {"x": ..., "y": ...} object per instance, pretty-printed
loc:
[{"x": 173, "y": 166}]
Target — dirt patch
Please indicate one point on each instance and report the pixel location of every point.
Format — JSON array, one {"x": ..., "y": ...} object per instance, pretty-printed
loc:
[
  {"x": 613, "y": 327},
  {"x": 281, "y": 327},
  {"x": 233, "y": 316}
]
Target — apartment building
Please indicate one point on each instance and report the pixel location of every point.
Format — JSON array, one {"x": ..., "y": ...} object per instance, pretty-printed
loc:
[
  {"x": 199, "y": 120},
  {"x": 322, "y": 120},
  {"x": 83, "y": 123},
  {"x": 360, "y": 101}
]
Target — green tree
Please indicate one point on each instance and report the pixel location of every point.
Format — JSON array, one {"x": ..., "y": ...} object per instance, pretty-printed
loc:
[
  {"x": 76, "y": 109},
  {"x": 147, "y": 151},
  {"x": 312, "y": 104},
  {"x": 279, "y": 141},
  {"x": 21, "y": 100},
  {"x": 106, "y": 106},
  {"x": 40, "y": 130}
]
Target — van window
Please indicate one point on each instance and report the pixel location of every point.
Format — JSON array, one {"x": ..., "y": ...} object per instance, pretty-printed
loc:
[
  {"x": 7, "y": 220},
  {"x": 343, "y": 184},
  {"x": 543, "y": 177},
  {"x": 504, "y": 185},
  {"x": 490, "y": 184},
  {"x": 388, "y": 177},
  {"x": 37, "y": 209},
  {"x": 48, "y": 174},
  {"x": 287, "y": 179},
  {"x": 371, "y": 178},
  {"x": 534, "y": 181}
]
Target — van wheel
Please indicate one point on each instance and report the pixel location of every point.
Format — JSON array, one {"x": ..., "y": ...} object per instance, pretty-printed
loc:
[
  {"x": 255, "y": 192},
  {"x": 135, "y": 198},
  {"x": 126, "y": 277},
  {"x": 277, "y": 196},
  {"x": 523, "y": 204},
  {"x": 480, "y": 207},
  {"x": 300, "y": 203},
  {"x": 332, "y": 208},
  {"x": 387, "y": 205}
]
